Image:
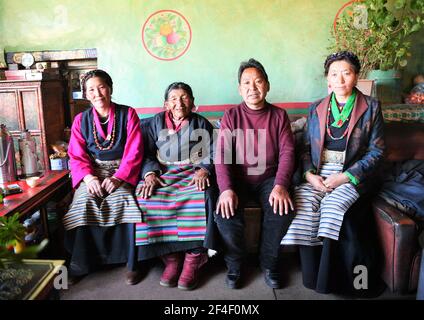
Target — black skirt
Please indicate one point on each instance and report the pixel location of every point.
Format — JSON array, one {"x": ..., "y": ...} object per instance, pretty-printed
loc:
[
  {"x": 353, "y": 264},
  {"x": 92, "y": 246}
]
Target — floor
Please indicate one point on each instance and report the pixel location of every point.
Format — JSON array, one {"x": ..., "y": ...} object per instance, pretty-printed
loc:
[{"x": 109, "y": 284}]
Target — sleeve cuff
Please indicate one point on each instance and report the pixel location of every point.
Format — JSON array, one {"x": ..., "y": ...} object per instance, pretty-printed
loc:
[
  {"x": 150, "y": 172},
  {"x": 201, "y": 167},
  {"x": 282, "y": 182},
  {"x": 352, "y": 179},
  {"x": 225, "y": 188}
]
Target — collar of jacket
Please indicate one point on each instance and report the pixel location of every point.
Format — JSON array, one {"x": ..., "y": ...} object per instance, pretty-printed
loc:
[{"x": 358, "y": 110}]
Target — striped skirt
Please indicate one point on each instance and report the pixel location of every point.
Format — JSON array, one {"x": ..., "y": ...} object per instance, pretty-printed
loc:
[
  {"x": 116, "y": 208},
  {"x": 319, "y": 214},
  {"x": 173, "y": 213}
]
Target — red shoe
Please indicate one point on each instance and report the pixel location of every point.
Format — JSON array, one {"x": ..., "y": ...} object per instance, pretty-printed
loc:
[
  {"x": 172, "y": 270},
  {"x": 189, "y": 276}
]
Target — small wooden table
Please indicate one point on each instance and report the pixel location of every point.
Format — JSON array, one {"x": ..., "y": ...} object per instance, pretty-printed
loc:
[
  {"x": 32, "y": 199},
  {"x": 32, "y": 279}
]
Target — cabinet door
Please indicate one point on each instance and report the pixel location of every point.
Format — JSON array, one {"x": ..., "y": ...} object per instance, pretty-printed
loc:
[
  {"x": 30, "y": 104},
  {"x": 78, "y": 106},
  {"x": 9, "y": 110}
]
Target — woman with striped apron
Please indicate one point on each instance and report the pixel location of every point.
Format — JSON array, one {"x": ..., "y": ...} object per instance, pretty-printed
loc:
[
  {"x": 105, "y": 151},
  {"x": 343, "y": 149},
  {"x": 177, "y": 193}
]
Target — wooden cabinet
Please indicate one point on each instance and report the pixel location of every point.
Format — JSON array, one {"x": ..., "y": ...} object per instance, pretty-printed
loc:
[
  {"x": 37, "y": 106},
  {"x": 78, "y": 106}
]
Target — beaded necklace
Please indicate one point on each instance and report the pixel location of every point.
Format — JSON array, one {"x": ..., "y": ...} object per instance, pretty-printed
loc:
[
  {"x": 328, "y": 127},
  {"x": 111, "y": 137},
  {"x": 106, "y": 121}
]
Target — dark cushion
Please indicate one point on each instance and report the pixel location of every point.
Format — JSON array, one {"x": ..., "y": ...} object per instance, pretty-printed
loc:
[{"x": 404, "y": 141}]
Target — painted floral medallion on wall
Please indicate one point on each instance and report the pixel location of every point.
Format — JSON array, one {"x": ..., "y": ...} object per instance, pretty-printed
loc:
[{"x": 166, "y": 35}]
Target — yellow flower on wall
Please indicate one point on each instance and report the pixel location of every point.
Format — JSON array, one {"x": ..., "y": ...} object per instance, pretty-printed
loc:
[
  {"x": 166, "y": 35},
  {"x": 165, "y": 30}
]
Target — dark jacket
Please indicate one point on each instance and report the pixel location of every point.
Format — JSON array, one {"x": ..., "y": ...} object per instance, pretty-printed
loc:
[
  {"x": 365, "y": 139},
  {"x": 152, "y": 128}
]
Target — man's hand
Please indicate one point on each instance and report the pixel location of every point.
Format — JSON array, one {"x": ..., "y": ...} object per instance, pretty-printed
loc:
[
  {"x": 151, "y": 183},
  {"x": 200, "y": 179},
  {"x": 280, "y": 200},
  {"x": 317, "y": 182},
  {"x": 335, "y": 180},
  {"x": 111, "y": 184},
  {"x": 227, "y": 204},
  {"x": 93, "y": 186}
]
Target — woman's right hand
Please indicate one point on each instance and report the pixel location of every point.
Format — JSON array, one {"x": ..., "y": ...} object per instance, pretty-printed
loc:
[
  {"x": 94, "y": 186},
  {"x": 317, "y": 182},
  {"x": 151, "y": 182},
  {"x": 227, "y": 204}
]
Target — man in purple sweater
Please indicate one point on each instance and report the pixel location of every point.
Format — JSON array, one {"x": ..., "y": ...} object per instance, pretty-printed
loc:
[{"x": 254, "y": 159}]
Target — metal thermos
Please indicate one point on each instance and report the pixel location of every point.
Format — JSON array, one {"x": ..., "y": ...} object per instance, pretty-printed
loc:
[
  {"x": 7, "y": 156},
  {"x": 28, "y": 154}
]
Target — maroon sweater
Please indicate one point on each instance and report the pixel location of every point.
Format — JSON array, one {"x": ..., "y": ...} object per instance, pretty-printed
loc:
[{"x": 276, "y": 152}]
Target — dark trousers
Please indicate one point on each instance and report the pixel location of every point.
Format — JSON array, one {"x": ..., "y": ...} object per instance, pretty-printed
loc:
[{"x": 274, "y": 227}]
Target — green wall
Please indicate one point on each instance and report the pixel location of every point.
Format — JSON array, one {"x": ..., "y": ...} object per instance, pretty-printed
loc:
[{"x": 288, "y": 36}]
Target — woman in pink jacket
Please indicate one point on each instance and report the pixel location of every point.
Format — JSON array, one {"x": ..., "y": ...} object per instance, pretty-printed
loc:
[{"x": 105, "y": 150}]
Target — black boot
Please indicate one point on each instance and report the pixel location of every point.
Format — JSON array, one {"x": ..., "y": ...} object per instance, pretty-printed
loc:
[
  {"x": 272, "y": 278},
  {"x": 233, "y": 279}
]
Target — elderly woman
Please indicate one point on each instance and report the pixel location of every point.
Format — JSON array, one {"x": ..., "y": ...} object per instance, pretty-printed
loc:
[
  {"x": 176, "y": 194},
  {"x": 343, "y": 149},
  {"x": 105, "y": 151}
]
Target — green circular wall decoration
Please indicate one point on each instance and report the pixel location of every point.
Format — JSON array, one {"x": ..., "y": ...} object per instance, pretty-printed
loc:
[{"x": 166, "y": 35}]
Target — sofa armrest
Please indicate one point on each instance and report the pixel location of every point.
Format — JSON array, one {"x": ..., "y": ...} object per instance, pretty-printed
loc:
[
  {"x": 392, "y": 215},
  {"x": 398, "y": 236}
]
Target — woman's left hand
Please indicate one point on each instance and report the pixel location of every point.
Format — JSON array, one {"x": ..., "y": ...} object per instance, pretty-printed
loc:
[
  {"x": 200, "y": 179},
  {"x": 111, "y": 184},
  {"x": 335, "y": 180}
]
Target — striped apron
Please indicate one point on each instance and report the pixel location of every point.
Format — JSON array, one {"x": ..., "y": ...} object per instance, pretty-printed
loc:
[
  {"x": 320, "y": 214},
  {"x": 116, "y": 208},
  {"x": 175, "y": 212}
]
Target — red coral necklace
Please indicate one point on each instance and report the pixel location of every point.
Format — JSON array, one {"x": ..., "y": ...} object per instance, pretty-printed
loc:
[{"x": 112, "y": 136}]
